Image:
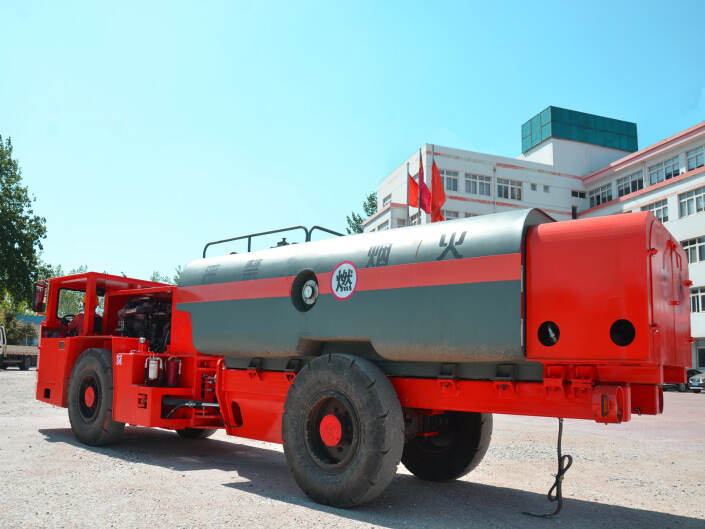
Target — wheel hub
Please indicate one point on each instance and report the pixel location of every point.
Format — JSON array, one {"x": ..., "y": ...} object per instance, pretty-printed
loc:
[
  {"x": 331, "y": 430},
  {"x": 89, "y": 396}
]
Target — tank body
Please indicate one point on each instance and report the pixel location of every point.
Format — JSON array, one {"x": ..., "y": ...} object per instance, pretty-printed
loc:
[{"x": 442, "y": 292}]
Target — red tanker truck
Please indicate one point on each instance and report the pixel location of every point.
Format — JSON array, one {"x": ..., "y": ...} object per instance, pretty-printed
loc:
[{"x": 362, "y": 351}]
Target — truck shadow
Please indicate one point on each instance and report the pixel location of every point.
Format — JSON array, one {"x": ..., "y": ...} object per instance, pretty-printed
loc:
[{"x": 408, "y": 502}]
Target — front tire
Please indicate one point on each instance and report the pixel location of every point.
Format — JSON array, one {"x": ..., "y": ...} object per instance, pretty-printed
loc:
[
  {"x": 90, "y": 399},
  {"x": 343, "y": 430},
  {"x": 458, "y": 443}
]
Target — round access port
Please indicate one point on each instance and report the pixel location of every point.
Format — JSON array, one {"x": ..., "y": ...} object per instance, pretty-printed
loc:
[
  {"x": 549, "y": 333},
  {"x": 622, "y": 332},
  {"x": 304, "y": 290}
]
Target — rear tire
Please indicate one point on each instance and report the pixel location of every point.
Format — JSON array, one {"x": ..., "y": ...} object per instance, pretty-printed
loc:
[
  {"x": 459, "y": 446},
  {"x": 195, "y": 433},
  {"x": 682, "y": 388},
  {"x": 90, "y": 399},
  {"x": 343, "y": 430},
  {"x": 26, "y": 363}
]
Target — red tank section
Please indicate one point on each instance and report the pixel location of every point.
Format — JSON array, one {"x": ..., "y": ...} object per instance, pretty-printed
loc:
[{"x": 614, "y": 292}]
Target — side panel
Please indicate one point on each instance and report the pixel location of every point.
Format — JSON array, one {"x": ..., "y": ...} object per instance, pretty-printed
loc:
[
  {"x": 56, "y": 360},
  {"x": 670, "y": 301},
  {"x": 585, "y": 275},
  {"x": 252, "y": 402}
]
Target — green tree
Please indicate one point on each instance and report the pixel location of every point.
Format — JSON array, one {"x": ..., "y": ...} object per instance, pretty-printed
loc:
[
  {"x": 22, "y": 231},
  {"x": 164, "y": 278},
  {"x": 177, "y": 275},
  {"x": 369, "y": 206},
  {"x": 159, "y": 278}
]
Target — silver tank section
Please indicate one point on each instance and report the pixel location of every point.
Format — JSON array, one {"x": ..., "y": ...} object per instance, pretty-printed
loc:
[{"x": 429, "y": 293}]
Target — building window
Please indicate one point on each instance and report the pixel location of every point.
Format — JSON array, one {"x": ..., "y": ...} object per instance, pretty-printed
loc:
[
  {"x": 386, "y": 200},
  {"x": 533, "y": 187},
  {"x": 470, "y": 214},
  {"x": 578, "y": 194},
  {"x": 546, "y": 189},
  {"x": 383, "y": 226},
  {"x": 694, "y": 249},
  {"x": 692, "y": 202},
  {"x": 660, "y": 209},
  {"x": 696, "y": 158},
  {"x": 478, "y": 184},
  {"x": 508, "y": 189},
  {"x": 448, "y": 214},
  {"x": 600, "y": 195},
  {"x": 629, "y": 184},
  {"x": 697, "y": 299},
  {"x": 449, "y": 179},
  {"x": 663, "y": 171},
  {"x": 401, "y": 223}
]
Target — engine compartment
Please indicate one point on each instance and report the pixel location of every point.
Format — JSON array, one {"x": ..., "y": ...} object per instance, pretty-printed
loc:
[{"x": 146, "y": 317}]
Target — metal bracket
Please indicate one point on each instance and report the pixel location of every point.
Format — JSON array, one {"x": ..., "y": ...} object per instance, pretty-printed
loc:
[
  {"x": 448, "y": 371},
  {"x": 255, "y": 368},
  {"x": 505, "y": 388}
]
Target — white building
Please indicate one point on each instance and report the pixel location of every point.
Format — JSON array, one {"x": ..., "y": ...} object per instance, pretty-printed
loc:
[{"x": 573, "y": 165}]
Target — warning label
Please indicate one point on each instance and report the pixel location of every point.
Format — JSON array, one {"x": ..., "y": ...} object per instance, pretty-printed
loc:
[{"x": 343, "y": 280}]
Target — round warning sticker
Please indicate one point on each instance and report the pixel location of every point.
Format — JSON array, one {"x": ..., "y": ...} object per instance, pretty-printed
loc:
[{"x": 343, "y": 280}]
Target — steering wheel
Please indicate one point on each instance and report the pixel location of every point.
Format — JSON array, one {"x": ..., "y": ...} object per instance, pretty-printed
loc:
[{"x": 64, "y": 321}]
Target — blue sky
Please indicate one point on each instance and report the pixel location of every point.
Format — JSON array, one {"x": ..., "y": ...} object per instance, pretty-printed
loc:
[{"x": 146, "y": 129}]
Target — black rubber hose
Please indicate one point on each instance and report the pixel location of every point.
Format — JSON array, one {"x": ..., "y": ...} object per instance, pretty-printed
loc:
[{"x": 555, "y": 494}]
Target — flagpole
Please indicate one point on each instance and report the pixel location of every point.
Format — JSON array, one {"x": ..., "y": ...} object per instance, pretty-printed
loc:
[
  {"x": 419, "y": 181},
  {"x": 407, "y": 193},
  {"x": 433, "y": 160}
]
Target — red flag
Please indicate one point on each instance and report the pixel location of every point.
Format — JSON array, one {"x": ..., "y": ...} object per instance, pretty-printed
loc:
[
  {"x": 425, "y": 192},
  {"x": 413, "y": 191},
  {"x": 438, "y": 197}
]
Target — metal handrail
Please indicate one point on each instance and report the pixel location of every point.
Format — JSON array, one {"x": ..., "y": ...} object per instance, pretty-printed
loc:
[
  {"x": 252, "y": 235},
  {"x": 321, "y": 228}
]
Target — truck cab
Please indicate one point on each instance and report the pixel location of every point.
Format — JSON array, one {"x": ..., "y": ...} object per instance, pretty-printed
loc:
[{"x": 97, "y": 298}]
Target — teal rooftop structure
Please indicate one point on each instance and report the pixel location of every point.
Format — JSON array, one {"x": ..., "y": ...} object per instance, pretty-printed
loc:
[{"x": 564, "y": 124}]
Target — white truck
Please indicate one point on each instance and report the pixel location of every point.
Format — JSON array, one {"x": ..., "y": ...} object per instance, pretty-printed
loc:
[{"x": 22, "y": 356}]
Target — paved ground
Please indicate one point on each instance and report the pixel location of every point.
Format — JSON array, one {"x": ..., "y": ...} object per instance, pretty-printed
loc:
[{"x": 649, "y": 473}]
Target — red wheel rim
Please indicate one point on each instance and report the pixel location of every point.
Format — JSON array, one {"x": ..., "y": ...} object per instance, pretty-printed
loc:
[
  {"x": 89, "y": 396},
  {"x": 331, "y": 430}
]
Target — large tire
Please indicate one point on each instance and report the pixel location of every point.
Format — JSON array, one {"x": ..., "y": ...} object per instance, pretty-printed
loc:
[
  {"x": 682, "y": 388},
  {"x": 26, "y": 363},
  {"x": 458, "y": 447},
  {"x": 196, "y": 433},
  {"x": 90, "y": 399},
  {"x": 343, "y": 430}
]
